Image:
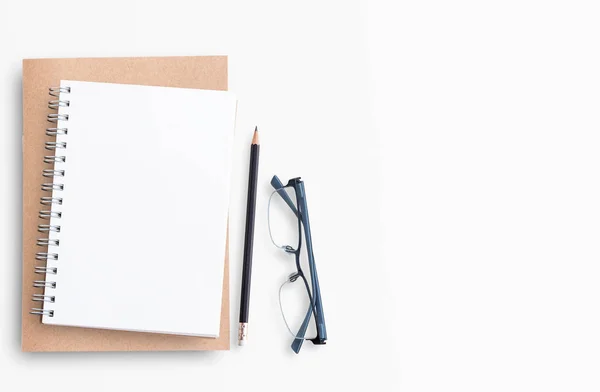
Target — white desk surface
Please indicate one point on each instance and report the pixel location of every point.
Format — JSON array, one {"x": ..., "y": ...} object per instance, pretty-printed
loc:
[{"x": 450, "y": 153}]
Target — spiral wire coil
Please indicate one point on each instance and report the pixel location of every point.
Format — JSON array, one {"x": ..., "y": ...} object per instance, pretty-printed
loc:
[{"x": 49, "y": 213}]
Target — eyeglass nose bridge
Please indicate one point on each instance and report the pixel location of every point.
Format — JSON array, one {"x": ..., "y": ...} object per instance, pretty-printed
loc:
[{"x": 293, "y": 277}]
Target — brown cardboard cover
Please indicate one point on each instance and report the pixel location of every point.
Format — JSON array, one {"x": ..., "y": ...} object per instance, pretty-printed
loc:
[{"x": 38, "y": 76}]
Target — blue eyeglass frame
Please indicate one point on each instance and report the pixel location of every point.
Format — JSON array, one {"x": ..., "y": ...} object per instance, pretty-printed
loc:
[{"x": 316, "y": 307}]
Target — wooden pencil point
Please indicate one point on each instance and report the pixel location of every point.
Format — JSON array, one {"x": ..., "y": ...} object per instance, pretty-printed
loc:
[{"x": 255, "y": 138}]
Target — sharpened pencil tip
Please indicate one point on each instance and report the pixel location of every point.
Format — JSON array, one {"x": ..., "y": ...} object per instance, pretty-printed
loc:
[{"x": 255, "y": 138}]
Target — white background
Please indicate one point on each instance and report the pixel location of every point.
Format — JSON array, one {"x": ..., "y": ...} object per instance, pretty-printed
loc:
[{"x": 450, "y": 152}]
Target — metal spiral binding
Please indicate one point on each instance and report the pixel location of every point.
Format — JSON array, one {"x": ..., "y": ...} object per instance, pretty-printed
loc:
[
  {"x": 44, "y": 283},
  {"x": 48, "y": 228},
  {"x": 53, "y": 173},
  {"x": 55, "y": 91},
  {"x": 56, "y": 131},
  {"x": 55, "y": 104},
  {"x": 50, "y": 214},
  {"x": 51, "y": 200},
  {"x": 55, "y": 145},
  {"x": 54, "y": 117},
  {"x": 54, "y": 158},
  {"x": 46, "y": 270},
  {"x": 42, "y": 312},
  {"x": 46, "y": 256},
  {"x": 43, "y": 298},
  {"x": 47, "y": 242},
  {"x": 50, "y": 186}
]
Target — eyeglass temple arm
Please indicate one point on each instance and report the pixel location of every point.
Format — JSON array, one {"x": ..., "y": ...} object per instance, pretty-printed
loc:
[
  {"x": 318, "y": 305},
  {"x": 297, "y": 343},
  {"x": 320, "y": 319},
  {"x": 276, "y": 183}
]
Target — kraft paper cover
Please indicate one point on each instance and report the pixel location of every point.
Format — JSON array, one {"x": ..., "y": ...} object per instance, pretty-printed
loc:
[{"x": 40, "y": 74}]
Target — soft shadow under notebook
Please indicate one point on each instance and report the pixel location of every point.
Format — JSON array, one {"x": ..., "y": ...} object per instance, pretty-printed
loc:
[{"x": 132, "y": 210}]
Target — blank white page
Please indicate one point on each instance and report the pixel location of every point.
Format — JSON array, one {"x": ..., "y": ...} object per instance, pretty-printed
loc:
[{"x": 144, "y": 215}]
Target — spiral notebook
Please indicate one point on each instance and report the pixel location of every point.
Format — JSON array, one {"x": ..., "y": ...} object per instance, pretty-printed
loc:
[{"x": 132, "y": 215}]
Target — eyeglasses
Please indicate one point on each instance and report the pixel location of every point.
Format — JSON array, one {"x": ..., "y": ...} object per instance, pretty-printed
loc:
[{"x": 299, "y": 295}]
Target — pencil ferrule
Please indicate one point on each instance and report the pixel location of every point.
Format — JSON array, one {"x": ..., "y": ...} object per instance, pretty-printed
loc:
[{"x": 242, "y": 334}]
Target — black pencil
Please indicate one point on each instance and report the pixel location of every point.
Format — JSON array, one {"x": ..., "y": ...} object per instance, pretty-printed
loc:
[{"x": 249, "y": 239}]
